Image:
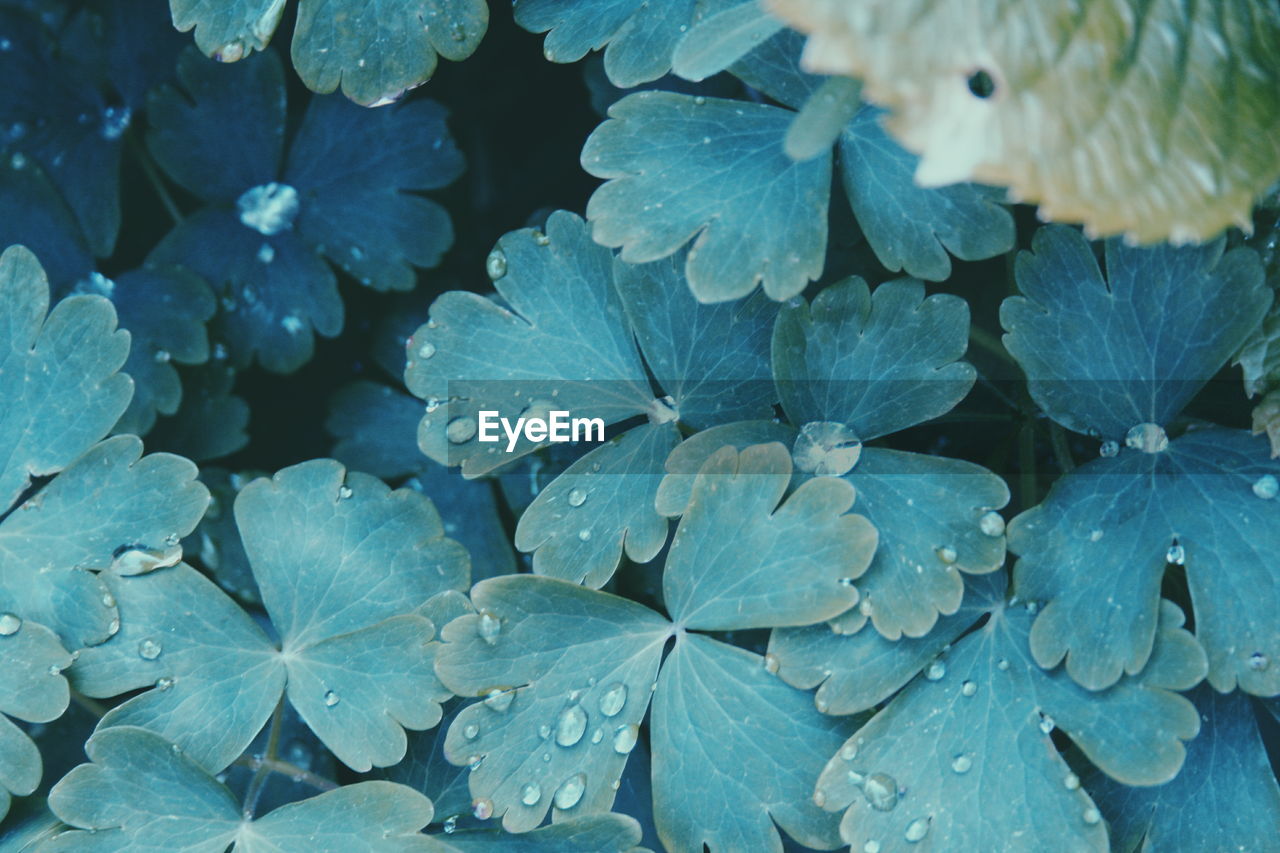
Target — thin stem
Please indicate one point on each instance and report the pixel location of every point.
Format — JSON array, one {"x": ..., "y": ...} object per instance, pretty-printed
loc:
[
  {"x": 93, "y": 706},
  {"x": 286, "y": 768},
  {"x": 1061, "y": 450},
  {"x": 261, "y": 770},
  {"x": 989, "y": 342},
  {"x": 153, "y": 177}
]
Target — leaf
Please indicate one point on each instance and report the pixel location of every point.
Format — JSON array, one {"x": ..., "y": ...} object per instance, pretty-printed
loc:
[
  {"x": 563, "y": 339},
  {"x": 211, "y": 421},
  {"x": 875, "y": 363},
  {"x": 33, "y": 214},
  {"x": 602, "y": 505},
  {"x": 142, "y": 794},
  {"x": 165, "y": 311},
  {"x": 737, "y": 539},
  {"x": 1096, "y": 550},
  {"x": 683, "y": 168},
  {"x": 590, "y": 834},
  {"x": 1080, "y": 91},
  {"x": 717, "y": 41},
  {"x": 856, "y": 672},
  {"x": 638, "y": 37},
  {"x": 1226, "y": 789},
  {"x": 347, "y": 571},
  {"x": 911, "y": 227},
  {"x": 1102, "y": 356},
  {"x": 966, "y": 760},
  {"x": 687, "y": 459},
  {"x": 33, "y": 689},
  {"x": 715, "y": 701}
]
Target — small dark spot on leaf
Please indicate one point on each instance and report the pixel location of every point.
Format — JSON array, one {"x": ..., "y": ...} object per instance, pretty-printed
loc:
[{"x": 981, "y": 84}]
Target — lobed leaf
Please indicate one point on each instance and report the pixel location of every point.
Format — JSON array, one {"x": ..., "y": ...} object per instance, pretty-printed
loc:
[{"x": 32, "y": 688}]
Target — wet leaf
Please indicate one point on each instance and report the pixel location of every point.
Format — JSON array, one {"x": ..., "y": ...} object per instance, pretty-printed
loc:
[{"x": 33, "y": 689}]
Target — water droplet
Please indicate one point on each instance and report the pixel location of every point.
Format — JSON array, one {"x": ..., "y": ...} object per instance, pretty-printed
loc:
[
  {"x": 826, "y": 449},
  {"x": 1002, "y": 665},
  {"x": 427, "y": 350},
  {"x": 488, "y": 627},
  {"x": 1071, "y": 782},
  {"x": 499, "y": 700},
  {"x": 936, "y": 671},
  {"x": 881, "y": 791},
  {"x": 1257, "y": 661},
  {"x": 771, "y": 663},
  {"x": 1095, "y": 534},
  {"x": 1176, "y": 554},
  {"x": 597, "y": 735},
  {"x": 482, "y": 808},
  {"x": 1046, "y": 723},
  {"x": 461, "y": 430},
  {"x": 1109, "y": 449},
  {"x": 53, "y": 669},
  {"x": 162, "y": 356},
  {"x": 266, "y": 253},
  {"x": 108, "y": 600},
  {"x": 474, "y": 762},
  {"x": 991, "y": 524},
  {"x": 849, "y": 751},
  {"x": 865, "y": 607},
  {"x": 570, "y": 725},
  {"x": 331, "y": 698},
  {"x": 115, "y": 120},
  {"x": 540, "y": 238},
  {"x": 496, "y": 264},
  {"x": 292, "y": 323},
  {"x": 570, "y": 791},
  {"x": 530, "y": 794},
  {"x": 961, "y": 764},
  {"x": 916, "y": 830},
  {"x": 968, "y": 688},
  {"x": 819, "y": 797},
  {"x": 18, "y": 162},
  {"x": 577, "y": 497},
  {"x": 164, "y": 683},
  {"x": 544, "y": 731},
  {"x": 1149, "y": 438},
  {"x": 1091, "y": 816},
  {"x": 470, "y": 731},
  {"x": 1266, "y": 487},
  {"x": 871, "y": 846},
  {"x": 624, "y": 738},
  {"x": 585, "y": 534},
  {"x": 268, "y": 208},
  {"x": 612, "y": 700},
  {"x": 113, "y": 627},
  {"x": 9, "y": 624},
  {"x": 450, "y": 825},
  {"x": 947, "y": 554},
  {"x": 149, "y": 649},
  {"x": 344, "y": 492},
  {"x": 699, "y": 100}
]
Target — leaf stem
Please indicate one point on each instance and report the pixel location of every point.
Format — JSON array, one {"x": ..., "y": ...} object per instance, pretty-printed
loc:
[
  {"x": 1061, "y": 450},
  {"x": 286, "y": 768},
  {"x": 259, "y": 763},
  {"x": 989, "y": 342},
  {"x": 93, "y": 706},
  {"x": 153, "y": 177}
]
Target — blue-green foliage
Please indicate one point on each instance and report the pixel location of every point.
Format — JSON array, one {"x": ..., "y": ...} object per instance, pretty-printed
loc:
[{"x": 776, "y": 608}]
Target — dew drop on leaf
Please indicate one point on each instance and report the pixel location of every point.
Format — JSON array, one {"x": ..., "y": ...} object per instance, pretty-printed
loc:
[
  {"x": 266, "y": 253},
  {"x": 149, "y": 649},
  {"x": 570, "y": 725},
  {"x": 1071, "y": 782},
  {"x": 612, "y": 700},
  {"x": 916, "y": 830},
  {"x": 961, "y": 764},
  {"x": 1002, "y": 665},
  {"x": 344, "y": 492},
  {"x": 1109, "y": 449},
  {"x": 1258, "y": 661},
  {"x": 470, "y": 731},
  {"x": 936, "y": 671},
  {"x": 1177, "y": 555},
  {"x": 570, "y": 791},
  {"x": 499, "y": 700},
  {"x": 488, "y": 627},
  {"x": 947, "y": 554},
  {"x": 771, "y": 663},
  {"x": 872, "y": 846},
  {"x": 331, "y": 698},
  {"x": 9, "y": 624},
  {"x": 1149, "y": 438},
  {"x": 482, "y": 808},
  {"x": 164, "y": 683},
  {"x": 968, "y": 688},
  {"x": 461, "y": 430},
  {"x": 450, "y": 825},
  {"x": 577, "y": 497},
  {"x": 1091, "y": 816},
  {"x": 881, "y": 791},
  {"x": 624, "y": 739},
  {"x": 530, "y": 794},
  {"x": 1266, "y": 487},
  {"x": 1047, "y": 723},
  {"x": 991, "y": 524},
  {"x": 427, "y": 350},
  {"x": 496, "y": 264},
  {"x": 597, "y": 735},
  {"x": 585, "y": 534},
  {"x": 268, "y": 208},
  {"x": 849, "y": 751}
]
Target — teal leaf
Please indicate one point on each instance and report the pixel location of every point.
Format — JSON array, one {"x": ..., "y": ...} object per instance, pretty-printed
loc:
[
  {"x": 562, "y": 342},
  {"x": 32, "y": 688},
  {"x": 875, "y": 362},
  {"x": 912, "y": 228},
  {"x": 856, "y": 672},
  {"x": 357, "y": 171},
  {"x": 33, "y": 214},
  {"x": 964, "y": 758},
  {"x": 141, "y": 794},
  {"x": 714, "y": 701},
  {"x": 165, "y": 311},
  {"x": 1098, "y": 546},
  {"x": 604, "y": 833},
  {"x": 566, "y": 674},
  {"x": 722, "y": 38},
  {"x": 743, "y": 558},
  {"x": 713, "y": 360},
  {"x": 215, "y": 545},
  {"x": 602, "y": 505},
  {"x": 425, "y": 769},
  {"x": 638, "y": 37},
  {"x": 684, "y": 463},
  {"x": 1226, "y": 790},
  {"x": 681, "y": 168},
  {"x": 1103, "y": 355},
  {"x": 210, "y": 421},
  {"x": 349, "y": 572}
]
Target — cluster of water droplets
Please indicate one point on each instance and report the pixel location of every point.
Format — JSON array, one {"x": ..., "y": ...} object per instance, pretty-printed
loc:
[{"x": 268, "y": 208}]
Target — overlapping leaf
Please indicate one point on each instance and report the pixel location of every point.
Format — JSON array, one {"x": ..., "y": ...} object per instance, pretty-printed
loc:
[
  {"x": 1226, "y": 791},
  {"x": 33, "y": 689},
  {"x": 565, "y": 337},
  {"x": 963, "y": 756},
  {"x": 374, "y": 52},
  {"x": 351, "y": 575},
  {"x": 713, "y": 171},
  {"x": 566, "y": 673},
  {"x": 1119, "y": 359},
  {"x": 343, "y": 192},
  {"x": 1073, "y": 99}
]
